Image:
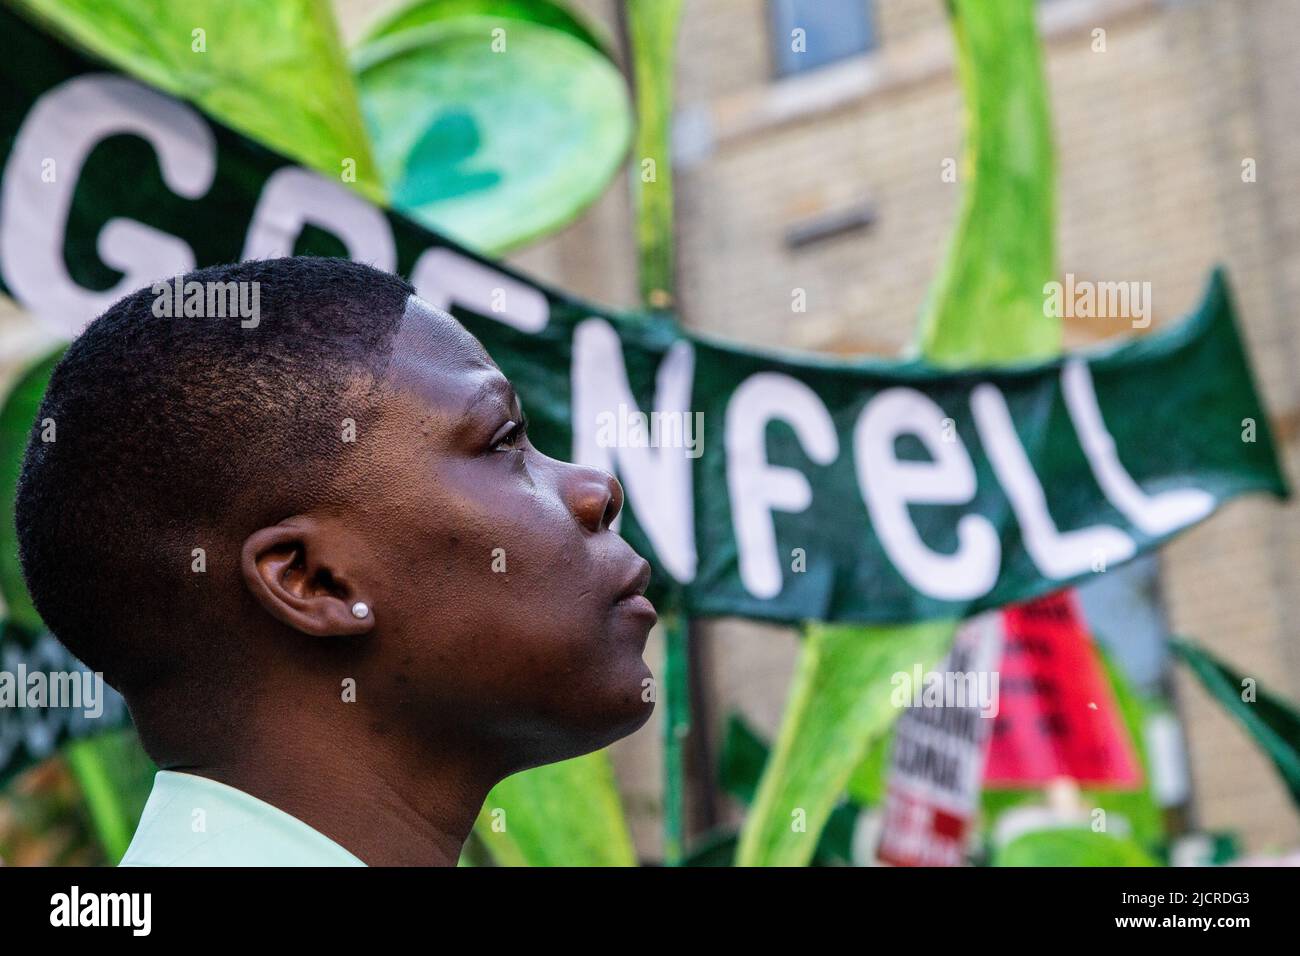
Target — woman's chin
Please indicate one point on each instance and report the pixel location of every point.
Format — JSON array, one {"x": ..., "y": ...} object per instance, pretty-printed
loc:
[{"x": 620, "y": 708}]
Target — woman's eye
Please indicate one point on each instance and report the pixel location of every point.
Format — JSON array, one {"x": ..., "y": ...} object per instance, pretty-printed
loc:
[{"x": 513, "y": 435}]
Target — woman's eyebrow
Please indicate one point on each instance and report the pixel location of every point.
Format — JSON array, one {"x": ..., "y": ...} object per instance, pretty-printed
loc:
[{"x": 497, "y": 387}]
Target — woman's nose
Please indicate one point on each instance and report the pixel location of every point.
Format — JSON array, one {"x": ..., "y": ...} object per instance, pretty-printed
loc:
[{"x": 596, "y": 498}]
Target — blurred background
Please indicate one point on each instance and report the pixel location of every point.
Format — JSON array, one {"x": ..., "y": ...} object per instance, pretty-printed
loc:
[{"x": 821, "y": 172}]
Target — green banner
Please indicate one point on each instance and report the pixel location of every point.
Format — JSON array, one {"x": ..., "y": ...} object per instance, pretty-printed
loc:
[{"x": 767, "y": 485}]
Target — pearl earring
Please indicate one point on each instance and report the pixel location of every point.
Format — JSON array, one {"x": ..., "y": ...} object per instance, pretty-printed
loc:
[{"x": 360, "y": 609}]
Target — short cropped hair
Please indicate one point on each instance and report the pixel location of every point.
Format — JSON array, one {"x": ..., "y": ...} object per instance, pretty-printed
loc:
[{"x": 175, "y": 432}]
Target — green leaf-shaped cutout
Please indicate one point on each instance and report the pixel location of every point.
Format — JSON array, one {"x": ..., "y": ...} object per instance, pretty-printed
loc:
[
  {"x": 274, "y": 71},
  {"x": 840, "y": 701},
  {"x": 559, "y": 814},
  {"x": 493, "y": 145}
]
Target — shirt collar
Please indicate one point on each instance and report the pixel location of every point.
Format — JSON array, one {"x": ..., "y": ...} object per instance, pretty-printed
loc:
[{"x": 194, "y": 821}]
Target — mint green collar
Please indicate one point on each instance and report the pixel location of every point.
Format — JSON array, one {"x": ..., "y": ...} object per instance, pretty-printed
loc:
[{"x": 193, "y": 821}]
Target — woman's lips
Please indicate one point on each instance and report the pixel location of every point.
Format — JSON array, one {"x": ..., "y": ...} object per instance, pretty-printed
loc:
[
  {"x": 639, "y": 605},
  {"x": 632, "y": 597}
]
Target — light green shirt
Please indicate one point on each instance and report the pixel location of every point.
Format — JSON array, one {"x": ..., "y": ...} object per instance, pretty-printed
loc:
[{"x": 193, "y": 821}]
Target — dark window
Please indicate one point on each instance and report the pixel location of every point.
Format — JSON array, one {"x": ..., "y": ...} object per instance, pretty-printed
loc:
[{"x": 831, "y": 30}]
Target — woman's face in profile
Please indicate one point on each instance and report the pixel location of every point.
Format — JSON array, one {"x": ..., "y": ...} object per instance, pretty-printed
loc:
[{"x": 506, "y": 609}]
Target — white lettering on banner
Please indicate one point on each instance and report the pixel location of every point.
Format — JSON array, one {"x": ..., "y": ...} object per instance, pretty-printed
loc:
[
  {"x": 659, "y": 484},
  {"x": 294, "y": 197},
  {"x": 1154, "y": 514},
  {"x": 890, "y": 485},
  {"x": 755, "y": 488},
  {"x": 444, "y": 278},
  {"x": 68, "y": 121},
  {"x": 1057, "y": 554},
  {"x": 66, "y": 124}
]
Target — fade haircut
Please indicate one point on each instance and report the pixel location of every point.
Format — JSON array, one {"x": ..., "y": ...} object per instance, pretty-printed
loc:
[{"x": 176, "y": 433}]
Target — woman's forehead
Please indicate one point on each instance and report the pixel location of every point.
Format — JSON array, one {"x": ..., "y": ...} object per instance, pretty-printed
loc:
[
  {"x": 426, "y": 327},
  {"x": 437, "y": 358}
]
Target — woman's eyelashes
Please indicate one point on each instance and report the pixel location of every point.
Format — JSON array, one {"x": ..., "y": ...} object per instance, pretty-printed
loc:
[{"x": 510, "y": 435}]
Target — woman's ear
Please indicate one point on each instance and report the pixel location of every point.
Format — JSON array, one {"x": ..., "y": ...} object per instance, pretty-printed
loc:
[{"x": 292, "y": 569}]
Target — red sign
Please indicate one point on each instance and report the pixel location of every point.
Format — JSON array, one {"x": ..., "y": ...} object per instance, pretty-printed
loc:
[{"x": 1057, "y": 715}]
